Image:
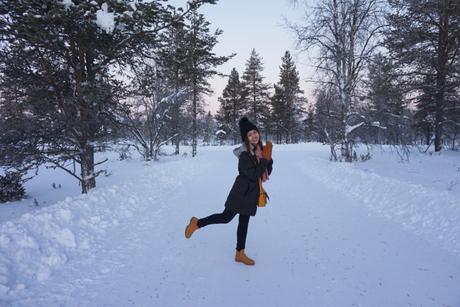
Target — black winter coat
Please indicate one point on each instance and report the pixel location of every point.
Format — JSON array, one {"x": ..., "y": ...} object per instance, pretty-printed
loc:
[{"x": 244, "y": 195}]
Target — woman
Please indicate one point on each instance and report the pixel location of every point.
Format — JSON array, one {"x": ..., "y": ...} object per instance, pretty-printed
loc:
[{"x": 254, "y": 166}]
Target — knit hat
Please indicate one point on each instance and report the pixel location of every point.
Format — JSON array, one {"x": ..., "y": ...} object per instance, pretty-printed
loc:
[{"x": 245, "y": 127}]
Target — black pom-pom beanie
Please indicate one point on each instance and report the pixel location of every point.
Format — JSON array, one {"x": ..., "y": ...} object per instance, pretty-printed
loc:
[{"x": 245, "y": 127}]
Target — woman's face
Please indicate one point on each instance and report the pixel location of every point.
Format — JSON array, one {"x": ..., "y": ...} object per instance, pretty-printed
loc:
[{"x": 253, "y": 137}]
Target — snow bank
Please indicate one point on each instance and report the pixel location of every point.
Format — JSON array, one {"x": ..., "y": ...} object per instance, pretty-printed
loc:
[
  {"x": 430, "y": 213},
  {"x": 34, "y": 245}
]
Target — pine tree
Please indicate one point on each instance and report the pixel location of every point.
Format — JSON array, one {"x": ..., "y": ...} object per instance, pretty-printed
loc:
[
  {"x": 386, "y": 101},
  {"x": 278, "y": 116},
  {"x": 172, "y": 59},
  {"x": 231, "y": 106},
  {"x": 287, "y": 104},
  {"x": 64, "y": 57},
  {"x": 311, "y": 131},
  {"x": 208, "y": 128},
  {"x": 424, "y": 40},
  {"x": 256, "y": 92},
  {"x": 201, "y": 64}
]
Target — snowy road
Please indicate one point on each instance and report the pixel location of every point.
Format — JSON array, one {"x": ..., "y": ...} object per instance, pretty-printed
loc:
[{"x": 313, "y": 246}]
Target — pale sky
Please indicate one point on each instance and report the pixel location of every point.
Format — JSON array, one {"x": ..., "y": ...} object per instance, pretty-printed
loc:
[{"x": 257, "y": 24}]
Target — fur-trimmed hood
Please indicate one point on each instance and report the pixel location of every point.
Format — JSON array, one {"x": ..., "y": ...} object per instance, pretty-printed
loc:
[{"x": 239, "y": 150}]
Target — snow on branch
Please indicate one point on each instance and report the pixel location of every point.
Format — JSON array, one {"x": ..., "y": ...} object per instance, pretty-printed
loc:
[
  {"x": 378, "y": 125},
  {"x": 104, "y": 19},
  {"x": 349, "y": 129}
]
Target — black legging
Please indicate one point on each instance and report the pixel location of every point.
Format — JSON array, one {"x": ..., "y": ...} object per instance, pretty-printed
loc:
[{"x": 224, "y": 218}]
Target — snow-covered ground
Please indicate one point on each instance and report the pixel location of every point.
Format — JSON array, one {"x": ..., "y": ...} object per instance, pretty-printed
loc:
[{"x": 379, "y": 233}]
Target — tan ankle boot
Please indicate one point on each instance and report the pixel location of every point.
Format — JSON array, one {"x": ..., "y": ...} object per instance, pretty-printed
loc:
[
  {"x": 191, "y": 227},
  {"x": 241, "y": 257}
]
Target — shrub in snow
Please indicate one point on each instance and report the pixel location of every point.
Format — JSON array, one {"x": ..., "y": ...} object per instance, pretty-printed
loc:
[
  {"x": 11, "y": 187},
  {"x": 124, "y": 153},
  {"x": 365, "y": 157}
]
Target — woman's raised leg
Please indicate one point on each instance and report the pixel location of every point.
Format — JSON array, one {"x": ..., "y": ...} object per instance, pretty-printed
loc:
[{"x": 219, "y": 218}]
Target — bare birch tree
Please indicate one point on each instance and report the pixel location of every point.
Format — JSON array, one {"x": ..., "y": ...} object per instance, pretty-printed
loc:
[{"x": 345, "y": 33}]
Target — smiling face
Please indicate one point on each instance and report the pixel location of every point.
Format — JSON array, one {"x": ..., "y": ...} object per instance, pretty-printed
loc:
[{"x": 253, "y": 137}]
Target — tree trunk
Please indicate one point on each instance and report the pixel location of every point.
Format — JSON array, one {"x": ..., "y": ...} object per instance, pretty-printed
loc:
[
  {"x": 439, "y": 117},
  {"x": 176, "y": 115},
  {"x": 441, "y": 76},
  {"x": 428, "y": 137},
  {"x": 88, "y": 179},
  {"x": 345, "y": 150},
  {"x": 194, "y": 125}
]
